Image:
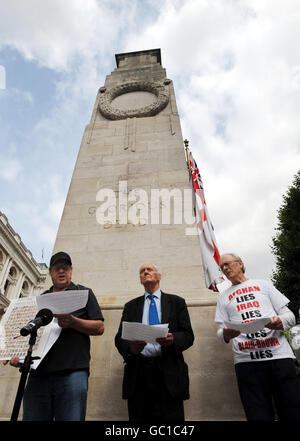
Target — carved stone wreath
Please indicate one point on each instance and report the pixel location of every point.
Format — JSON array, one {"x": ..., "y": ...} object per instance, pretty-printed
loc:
[{"x": 107, "y": 96}]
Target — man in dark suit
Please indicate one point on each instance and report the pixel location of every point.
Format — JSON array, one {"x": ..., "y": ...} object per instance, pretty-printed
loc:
[{"x": 155, "y": 375}]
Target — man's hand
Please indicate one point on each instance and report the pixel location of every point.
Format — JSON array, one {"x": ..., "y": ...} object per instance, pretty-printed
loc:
[
  {"x": 166, "y": 341},
  {"x": 228, "y": 334},
  {"x": 136, "y": 347},
  {"x": 88, "y": 327},
  {"x": 275, "y": 323},
  {"x": 65, "y": 320},
  {"x": 14, "y": 361}
]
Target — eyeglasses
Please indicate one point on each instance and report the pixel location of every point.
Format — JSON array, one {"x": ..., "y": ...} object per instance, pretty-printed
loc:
[
  {"x": 59, "y": 266},
  {"x": 228, "y": 263}
]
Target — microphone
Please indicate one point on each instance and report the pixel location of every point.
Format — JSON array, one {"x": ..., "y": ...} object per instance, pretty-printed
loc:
[{"x": 43, "y": 318}]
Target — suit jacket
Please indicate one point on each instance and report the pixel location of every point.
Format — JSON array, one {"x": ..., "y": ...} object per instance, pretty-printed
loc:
[{"x": 174, "y": 311}]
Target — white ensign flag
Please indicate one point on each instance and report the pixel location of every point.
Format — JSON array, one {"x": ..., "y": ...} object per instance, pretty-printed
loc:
[{"x": 208, "y": 245}]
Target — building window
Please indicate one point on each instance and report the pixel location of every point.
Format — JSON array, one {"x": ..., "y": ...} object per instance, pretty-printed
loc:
[
  {"x": 13, "y": 272},
  {"x": 25, "y": 286},
  {"x": 6, "y": 287},
  {"x": 25, "y": 289},
  {"x": 11, "y": 280}
]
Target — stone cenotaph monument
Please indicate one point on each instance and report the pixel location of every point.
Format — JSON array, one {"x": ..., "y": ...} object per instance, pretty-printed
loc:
[{"x": 120, "y": 213}]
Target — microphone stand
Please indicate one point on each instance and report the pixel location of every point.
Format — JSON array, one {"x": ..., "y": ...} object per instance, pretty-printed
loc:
[{"x": 24, "y": 369}]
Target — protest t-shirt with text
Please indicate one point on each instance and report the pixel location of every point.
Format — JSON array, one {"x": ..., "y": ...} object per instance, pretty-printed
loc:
[{"x": 249, "y": 301}]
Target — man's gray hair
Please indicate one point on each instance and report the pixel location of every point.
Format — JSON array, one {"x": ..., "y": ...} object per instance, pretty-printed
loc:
[{"x": 237, "y": 258}]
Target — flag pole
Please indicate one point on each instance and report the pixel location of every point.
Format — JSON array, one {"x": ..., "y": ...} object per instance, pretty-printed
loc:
[{"x": 187, "y": 154}]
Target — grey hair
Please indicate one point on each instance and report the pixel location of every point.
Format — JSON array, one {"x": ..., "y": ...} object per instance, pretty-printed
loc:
[{"x": 237, "y": 258}]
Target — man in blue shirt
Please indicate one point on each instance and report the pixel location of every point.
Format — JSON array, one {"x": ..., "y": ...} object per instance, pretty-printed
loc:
[{"x": 155, "y": 375}]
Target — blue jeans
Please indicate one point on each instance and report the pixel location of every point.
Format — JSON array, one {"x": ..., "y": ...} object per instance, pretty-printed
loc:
[{"x": 59, "y": 397}]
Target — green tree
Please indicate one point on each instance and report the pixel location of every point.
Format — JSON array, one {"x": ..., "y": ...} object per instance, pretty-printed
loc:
[{"x": 286, "y": 247}]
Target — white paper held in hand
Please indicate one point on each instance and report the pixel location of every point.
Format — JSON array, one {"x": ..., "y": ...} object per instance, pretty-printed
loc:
[
  {"x": 134, "y": 331},
  {"x": 250, "y": 327},
  {"x": 63, "y": 302}
]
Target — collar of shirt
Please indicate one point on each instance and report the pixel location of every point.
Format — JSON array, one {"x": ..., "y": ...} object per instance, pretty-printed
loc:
[
  {"x": 71, "y": 287},
  {"x": 155, "y": 294}
]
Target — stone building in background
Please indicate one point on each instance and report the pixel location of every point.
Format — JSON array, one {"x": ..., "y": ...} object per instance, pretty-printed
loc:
[{"x": 20, "y": 274}]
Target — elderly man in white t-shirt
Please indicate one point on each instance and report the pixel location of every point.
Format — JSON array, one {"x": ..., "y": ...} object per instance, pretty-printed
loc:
[{"x": 264, "y": 360}]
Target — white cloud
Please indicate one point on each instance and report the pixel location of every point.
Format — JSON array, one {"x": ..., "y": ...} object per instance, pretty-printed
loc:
[
  {"x": 235, "y": 66},
  {"x": 20, "y": 95},
  {"x": 58, "y": 34},
  {"x": 55, "y": 209},
  {"x": 52, "y": 33},
  {"x": 10, "y": 169}
]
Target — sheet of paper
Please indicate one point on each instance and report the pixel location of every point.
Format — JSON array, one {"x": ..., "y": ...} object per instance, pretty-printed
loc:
[
  {"x": 18, "y": 314},
  {"x": 63, "y": 302},
  {"x": 138, "y": 331},
  {"x": 53, "y": 334},
  {"x": 250, "y": 327},
  {"x": 21, "y": 311}
]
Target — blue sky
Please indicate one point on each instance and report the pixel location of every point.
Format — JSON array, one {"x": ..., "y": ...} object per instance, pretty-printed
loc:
[{"x": 236, "y": 71}]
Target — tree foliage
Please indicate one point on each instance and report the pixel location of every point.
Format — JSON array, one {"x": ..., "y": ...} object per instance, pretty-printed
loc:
[{"x": 286, "y": 246}]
